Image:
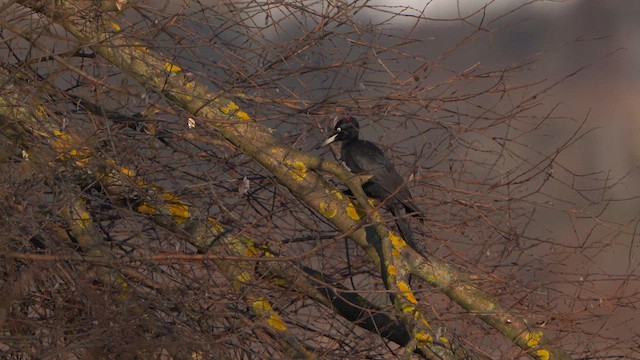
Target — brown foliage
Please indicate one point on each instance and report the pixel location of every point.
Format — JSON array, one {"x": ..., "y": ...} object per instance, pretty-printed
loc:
[{"x": 138, "y": 223}]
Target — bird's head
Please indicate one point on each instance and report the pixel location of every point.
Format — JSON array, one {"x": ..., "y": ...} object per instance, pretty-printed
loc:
[{"x": 345, "y": 129}]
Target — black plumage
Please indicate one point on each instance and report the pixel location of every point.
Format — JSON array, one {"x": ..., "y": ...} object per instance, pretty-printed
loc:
[{"x": 386, "y": 185}]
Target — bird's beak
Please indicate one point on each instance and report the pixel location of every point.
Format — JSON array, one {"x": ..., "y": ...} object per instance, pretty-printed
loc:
[{"x": 330, "y": 139}]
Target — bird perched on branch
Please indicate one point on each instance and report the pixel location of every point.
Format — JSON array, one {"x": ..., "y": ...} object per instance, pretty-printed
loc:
[{"x": 386, "y": 185}]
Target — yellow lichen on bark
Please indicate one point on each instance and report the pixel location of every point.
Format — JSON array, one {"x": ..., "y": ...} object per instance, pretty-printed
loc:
[
  {"x": 243, "y": 116},
  {"x": 146, "y": 209},
  {"x": 128, "y": 172},
  {"x": 262, "y": 307},
  {"x": 423, "y": 337},
  {"x": 352, "y": 212},
  {"x": 407, "y": 292},
  {"x": 328, "y": 210},
  {"x": 533, "y": 338},
  {"x": 337, "y": 193},
  {"x": 229, "y": 108},
  {"x": 243, "y": 277},
  {"x": 216, "y": 227},
  {"x": 178, "y": 209},
  {"x": 83, "y": 217},
  {"x": 276, "y": 322},
  {"x": 397, "y": 242},
  {"x": 300, "y": 170},
  {"x": 543, "y": 354},
  {"x": 408, "y": 308},
  {"x": 392, "y": 270},
  {"x": 172, "y": 68}
]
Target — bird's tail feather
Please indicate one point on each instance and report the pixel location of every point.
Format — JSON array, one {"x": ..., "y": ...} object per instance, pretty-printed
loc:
[
  {"x": 414, "y": 211},
  {"x": 404, "y": 226},
  {"x": 407, "y": 233}
]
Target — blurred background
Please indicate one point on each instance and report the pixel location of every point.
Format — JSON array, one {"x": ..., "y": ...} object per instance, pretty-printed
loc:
[
  {"x": 602, "y": 39},
  {"x": 515, "y": 123}
]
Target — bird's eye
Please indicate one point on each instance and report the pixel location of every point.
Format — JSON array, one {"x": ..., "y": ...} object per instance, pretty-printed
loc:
[{"x": 338, "y": 129}]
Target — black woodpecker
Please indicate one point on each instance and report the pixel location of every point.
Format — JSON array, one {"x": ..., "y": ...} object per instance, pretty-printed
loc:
[{"x": 386, "y": 185}]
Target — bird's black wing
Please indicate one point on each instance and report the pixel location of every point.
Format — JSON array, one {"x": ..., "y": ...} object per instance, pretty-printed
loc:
[{"x": 364, "y": 157}]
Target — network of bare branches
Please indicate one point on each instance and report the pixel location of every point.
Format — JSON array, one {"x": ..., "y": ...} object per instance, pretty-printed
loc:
[{"x": 133, "y": 228}]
